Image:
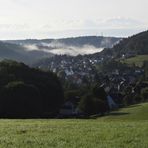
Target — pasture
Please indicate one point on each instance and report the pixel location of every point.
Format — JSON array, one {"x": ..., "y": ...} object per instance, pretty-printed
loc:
[{"x": 126, "y": 128}]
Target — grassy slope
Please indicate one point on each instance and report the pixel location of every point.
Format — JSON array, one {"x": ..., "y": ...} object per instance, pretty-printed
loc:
[
  {"x": 138, "y": 60},
  {"x": 132, "y": 113},
  {"x": 129, "y": 131}
]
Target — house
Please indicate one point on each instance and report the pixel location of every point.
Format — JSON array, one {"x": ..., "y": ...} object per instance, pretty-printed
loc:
[
  {"x": 111, "y": 103},
  {"x": 67, "y": 110}
]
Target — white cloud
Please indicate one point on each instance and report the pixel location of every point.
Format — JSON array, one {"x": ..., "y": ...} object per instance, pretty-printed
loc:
[
  {"x": 45, "y": 18},
  {"x": 118, "y": 23}
]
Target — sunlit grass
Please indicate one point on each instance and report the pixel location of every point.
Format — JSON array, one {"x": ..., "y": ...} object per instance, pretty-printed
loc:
[
  {"x": 126, "y": 131},
  {"x": 137, "y": 60}
]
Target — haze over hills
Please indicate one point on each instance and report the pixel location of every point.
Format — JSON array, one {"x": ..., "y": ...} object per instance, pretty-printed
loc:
[
  {"x": 20, "y": 53},
  {"x": 32, "y": 50},
  {"x": 70, "y": 46},
  {"x": 123, "y": 48},
  {"x": 96, "y": 41}
]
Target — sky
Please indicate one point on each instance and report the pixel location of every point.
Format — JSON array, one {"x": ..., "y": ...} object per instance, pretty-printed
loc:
[{"x": 28, "y": 19}]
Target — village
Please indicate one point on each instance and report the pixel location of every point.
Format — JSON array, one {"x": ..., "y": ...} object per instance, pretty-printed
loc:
[{"x": 82, "y": 71}]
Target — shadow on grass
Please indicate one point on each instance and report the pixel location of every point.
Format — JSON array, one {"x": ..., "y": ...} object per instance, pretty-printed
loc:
[
  {"x": 118, "y": 113},
  {"x": 110, "y": 114},
  {"x": 136, "y": 105}
]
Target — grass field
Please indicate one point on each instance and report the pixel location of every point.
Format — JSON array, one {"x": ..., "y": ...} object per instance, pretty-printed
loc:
[
  {"x": 126, "y": 128},
  {"x": 137, "y": 112},
  {"x": 138, "y": 60}
]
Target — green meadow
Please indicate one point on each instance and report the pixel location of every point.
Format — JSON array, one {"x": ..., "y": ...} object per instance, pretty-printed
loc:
[
  {"x": 137, "y": 60},
  {"x": 126, "y": 128}
]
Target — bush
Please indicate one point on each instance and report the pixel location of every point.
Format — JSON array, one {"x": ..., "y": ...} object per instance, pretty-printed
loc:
[
  {"x": 128, "y": 100},
  {"x": 144, "y": 93},
  {"x": 91, "y": 105},
  {"x": 138, "y": 99},
  {"x": 87, "y": 105},
  {"x": 100, "y": 93}
]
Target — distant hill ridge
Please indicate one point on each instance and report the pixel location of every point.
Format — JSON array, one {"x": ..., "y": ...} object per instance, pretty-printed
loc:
[
  {"x": 116, "y": 47},
  {"x": 96, "y": 41},
  {"x": 31, "y": 50},
  {"x": 19, "y": 53}
]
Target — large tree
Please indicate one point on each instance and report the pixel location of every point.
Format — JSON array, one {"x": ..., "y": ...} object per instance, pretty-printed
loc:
[{"x": 28, "y": 92}]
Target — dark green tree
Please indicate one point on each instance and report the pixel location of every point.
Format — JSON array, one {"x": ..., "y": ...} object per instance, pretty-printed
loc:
[{"x": 28, "y": 92}]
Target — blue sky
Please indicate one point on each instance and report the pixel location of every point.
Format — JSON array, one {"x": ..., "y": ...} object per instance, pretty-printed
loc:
[{"x": 21, "y": 19}]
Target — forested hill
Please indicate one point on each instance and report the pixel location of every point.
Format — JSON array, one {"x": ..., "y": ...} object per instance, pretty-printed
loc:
[
  {"x": 12, "y": 51},
  {"x": 96, "y": 41},
  {"x": 32, "y": 50},
  {"x": 136, "y": 44},
  {"x": 20, "y": 53}
]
